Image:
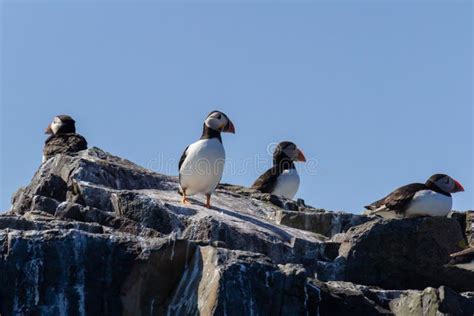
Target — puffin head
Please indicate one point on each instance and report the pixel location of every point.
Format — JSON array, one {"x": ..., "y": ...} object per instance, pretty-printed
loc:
[
  {"x": 218, "y": 121},
  {"x": 288, "y": 150},
  {"x": 445, "y": 183},
  {"x": 61, "y": 124}
]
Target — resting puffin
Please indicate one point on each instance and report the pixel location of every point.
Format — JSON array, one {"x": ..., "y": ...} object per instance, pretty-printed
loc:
[
  {"x": 432, "y": 198},
  {"x": 202, "y": 163},
  {"x": 63, "y": 137},
  {"x": 282, "y": 179}
]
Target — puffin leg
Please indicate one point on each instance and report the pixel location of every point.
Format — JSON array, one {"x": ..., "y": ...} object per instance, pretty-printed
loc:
[
  {"x": 184, "y": 200},
  {"x": 208, "y": 200}
]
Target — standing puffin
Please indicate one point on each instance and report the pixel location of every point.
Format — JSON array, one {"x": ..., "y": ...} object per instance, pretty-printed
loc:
[
  {"x": 63, "y": 139},
  {"x": 202, "y": 163},
  {"x": 282, "y": 179},
  {"x": 432, "y": 198}
]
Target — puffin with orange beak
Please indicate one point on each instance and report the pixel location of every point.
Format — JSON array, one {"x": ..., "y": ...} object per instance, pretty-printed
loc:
[
  {"x": 282, "y": 179},
  {"x": 202, "y": 164},
  {"x": 432, "y": 198}
]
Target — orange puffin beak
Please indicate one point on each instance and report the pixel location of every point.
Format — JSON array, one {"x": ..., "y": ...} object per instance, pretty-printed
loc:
[
  {"x": 458, "y": 187},
  {"x": 301, "y": 156},
  {"x": 229, "y": 128},
  {"x": 48, "y": 130}
]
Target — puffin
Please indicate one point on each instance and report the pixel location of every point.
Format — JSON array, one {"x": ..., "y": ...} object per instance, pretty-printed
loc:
[
  {"x": 63, "y": 138},
  {"x": 282, "y": 179},
  {"x": 432, "y": 198},
  {"x": 202, "y": 163}
]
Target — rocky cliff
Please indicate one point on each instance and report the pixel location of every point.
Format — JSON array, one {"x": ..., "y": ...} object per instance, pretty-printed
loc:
[{"x": 94, "y": 234}]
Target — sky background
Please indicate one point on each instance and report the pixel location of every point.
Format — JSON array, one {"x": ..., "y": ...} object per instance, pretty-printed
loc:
[{"x": 376, "y": 95}]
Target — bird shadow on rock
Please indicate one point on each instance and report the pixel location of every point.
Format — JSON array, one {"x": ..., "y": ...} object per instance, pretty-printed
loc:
[
  {"x": 181, "y": 209},
  {"x": 257, "y": 222}
]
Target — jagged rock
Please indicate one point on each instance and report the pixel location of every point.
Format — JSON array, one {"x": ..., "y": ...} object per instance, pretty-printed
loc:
[
  {"x": 38, "y": 216},
  {"x": 68, "y": 210},
  {"x": 324, "y": 223},
  {"x": 431, "y": 301},
  {"x": 154, "y": 276},
  {"x": 27, "y": 223},
  {"x": 225, "y": 282},
  {"x": 59, "y": 272},
  {"x": 347, "y": 299},
  {"x": 45, "y": 204},
  {"x": 98, "y": 235},
  {"x": 119, "y": 187},
  {"x": 464, "y": 255},
  {"x": 464, "y": 259},
  {"x": 407, "y": 253},
  {"x": 118, "y": 224},
  {"x": 470, "y": 227},
  {"x": 466, "y": 220}
]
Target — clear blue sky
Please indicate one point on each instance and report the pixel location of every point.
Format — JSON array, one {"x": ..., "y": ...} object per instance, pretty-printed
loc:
[{"x": 379, "y": 94}]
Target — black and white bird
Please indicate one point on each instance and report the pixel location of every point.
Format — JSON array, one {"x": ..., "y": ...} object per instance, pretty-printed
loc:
[
  {"x": 61, "y": 124},
  {"x": 432, "y": 198},
  {"x": 202, "y": 163},
  {"x": 282, "y": 179},
  {"x": 63, "y": 139}
]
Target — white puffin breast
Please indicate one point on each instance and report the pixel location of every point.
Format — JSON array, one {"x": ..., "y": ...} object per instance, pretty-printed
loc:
[
  {"x": 203, "y": 167},
  {"x": 428, "y": 202},
  {"x": 287, "y": 184}
]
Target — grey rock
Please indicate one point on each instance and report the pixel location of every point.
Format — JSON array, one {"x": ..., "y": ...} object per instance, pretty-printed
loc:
[
  {"x": 96, "y": 234},
  {"x": 470, "y": 227},
  {"x": 406, "y": 253},
  {"x": 322, "y": 222},
  {"x": 431, "y": 301},
  {"x": 154, "y": 276},
  {"x": 56, "y": 272},
  {"x": 45, "y": 204},
  {"x": 49, "y": 181},
  {"x": 38, "y": 216},
  {"x": 68, "y": 210},
  {"x": 347, "y": 299},
  {"x": 464, "y": 259},
  {"x": 224, "y": 282},
  {"x": 117, "y": 223}
]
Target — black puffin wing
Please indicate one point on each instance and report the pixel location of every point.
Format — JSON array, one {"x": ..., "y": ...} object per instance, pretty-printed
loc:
[
  {"x": 399, "y": 199},
  {"x": 181, "y": 160},
  {"x": 375, "y": 205},
  {"x": 266, "y": 182},
  {"x": 64, "y": 144},
  {"x": 76, "y": 142}
]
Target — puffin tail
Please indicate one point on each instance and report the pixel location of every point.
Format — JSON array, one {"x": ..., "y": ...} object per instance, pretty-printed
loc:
[
  {"x": 370, "y": 207},
  {"x": 378, "y": 210}
]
